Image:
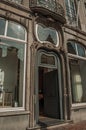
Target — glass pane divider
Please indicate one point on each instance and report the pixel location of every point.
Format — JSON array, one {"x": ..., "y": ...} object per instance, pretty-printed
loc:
[
  {"x": 9, "y": 38},
  {"x": 6, "y": 28},
  {"x": 76, "y": 49}
]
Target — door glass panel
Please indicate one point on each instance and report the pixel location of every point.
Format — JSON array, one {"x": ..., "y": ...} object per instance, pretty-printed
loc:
[{"x": 45, "y": 59}]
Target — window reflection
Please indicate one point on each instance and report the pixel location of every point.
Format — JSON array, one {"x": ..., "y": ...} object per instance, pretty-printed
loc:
[
  {"x": 12, "y": 65},
  {"x": 81, "y": 50},
  {"x": 16, "y": 31}
]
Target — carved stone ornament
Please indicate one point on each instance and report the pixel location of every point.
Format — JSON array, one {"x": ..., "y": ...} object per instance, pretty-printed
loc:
[{"x": 36, "y": 45}]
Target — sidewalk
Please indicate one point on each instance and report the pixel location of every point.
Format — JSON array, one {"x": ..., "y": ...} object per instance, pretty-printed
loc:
[{"x": 76, "y": 126}]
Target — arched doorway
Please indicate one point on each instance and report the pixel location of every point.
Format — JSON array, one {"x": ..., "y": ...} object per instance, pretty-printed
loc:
[{"x": 48, "y": 86}]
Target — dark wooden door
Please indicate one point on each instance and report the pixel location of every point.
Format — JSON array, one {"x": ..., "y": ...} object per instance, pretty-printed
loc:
[{"x": 51, "y": 94}]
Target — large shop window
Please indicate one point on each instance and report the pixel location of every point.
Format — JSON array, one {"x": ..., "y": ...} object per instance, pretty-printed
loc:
[
  {"x": 77, "y": 63},
  {"x": 12, "y": 64},
  {"x": 47, "y": 34}
]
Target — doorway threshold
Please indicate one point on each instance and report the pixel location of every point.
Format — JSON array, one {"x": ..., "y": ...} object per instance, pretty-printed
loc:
[
  {"x": 49, "y": 124},
  {"x": 47, "y": 121}
]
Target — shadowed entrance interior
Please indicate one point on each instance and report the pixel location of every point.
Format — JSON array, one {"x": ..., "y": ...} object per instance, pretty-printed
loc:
[{"x": 49, "y": 105}]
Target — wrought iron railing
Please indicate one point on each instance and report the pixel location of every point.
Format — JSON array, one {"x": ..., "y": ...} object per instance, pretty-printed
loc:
[{"x": 51, "y": 5}]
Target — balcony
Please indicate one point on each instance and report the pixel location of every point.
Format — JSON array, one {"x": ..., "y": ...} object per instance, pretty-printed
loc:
[{"x": 48, "y": 8}]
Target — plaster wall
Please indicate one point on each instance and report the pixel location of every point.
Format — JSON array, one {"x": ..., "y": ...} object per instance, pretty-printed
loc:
[{"x": 19, "y": 122}]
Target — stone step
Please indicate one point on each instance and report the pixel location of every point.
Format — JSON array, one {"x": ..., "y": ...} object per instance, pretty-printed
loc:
[{"x": 50, "y": 126}]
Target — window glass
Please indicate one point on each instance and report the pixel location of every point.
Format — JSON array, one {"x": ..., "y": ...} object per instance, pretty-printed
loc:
[
  {"x": 78, "y": 80},
  {"x": 45, "y": 59},
  {"x": 11, "y": 73},
  {"x": 2, "y": 26},
  {"x": 16, "y": 31},
  {"x": 71, "y": 47},
  {"x": 75, "y": 48},
  {"x": 81, "y": 50},
  {"x": 47, "y": 34}
]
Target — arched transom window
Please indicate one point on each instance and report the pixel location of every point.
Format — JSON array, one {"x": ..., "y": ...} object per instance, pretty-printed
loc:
[{"x": 47, "y": 34}]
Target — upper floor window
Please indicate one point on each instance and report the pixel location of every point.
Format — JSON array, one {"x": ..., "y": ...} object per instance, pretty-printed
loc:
[
  {"x": 71, "y": 11},
  {"x": 47, "y": 34},
  {"x": 76, "y": 49},
  {"x": 16, "y": 1},
  {"x": 12, "y": 64}
]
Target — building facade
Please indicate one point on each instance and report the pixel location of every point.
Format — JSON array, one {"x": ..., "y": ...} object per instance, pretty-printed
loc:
[{"x": 42, "y": 63}]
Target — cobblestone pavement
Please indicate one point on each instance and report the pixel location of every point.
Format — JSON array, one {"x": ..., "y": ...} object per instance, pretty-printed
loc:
[{"x": 76, "y": 126}]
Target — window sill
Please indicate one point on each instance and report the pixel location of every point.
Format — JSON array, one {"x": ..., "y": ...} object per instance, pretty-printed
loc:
[
  {"x": 14, "y": 113},
  {"x": 78, "y": 106},
  {"x": 74, "y": 56}
]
